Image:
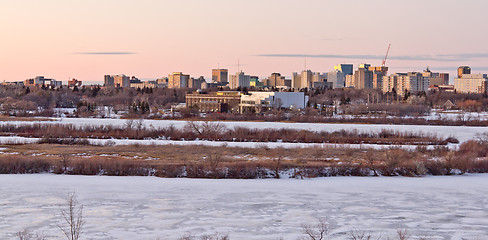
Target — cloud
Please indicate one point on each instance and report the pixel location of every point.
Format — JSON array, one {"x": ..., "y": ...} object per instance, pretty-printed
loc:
[
  {"x": 438, "y": 57},
  {"x": 465, "y": 55},
  {"x": 105, "y": 53}
]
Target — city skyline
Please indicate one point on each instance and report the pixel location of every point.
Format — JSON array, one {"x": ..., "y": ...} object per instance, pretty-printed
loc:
[{"x": 150, "y": 39}]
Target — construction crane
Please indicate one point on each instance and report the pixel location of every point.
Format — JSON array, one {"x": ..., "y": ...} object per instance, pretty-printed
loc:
[{"x": 387, "y": 51}]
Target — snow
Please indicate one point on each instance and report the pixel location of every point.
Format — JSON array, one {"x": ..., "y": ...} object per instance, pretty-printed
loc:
[
  {"x": 161, "y": 142},
  {"x": 462, "y": 133},
  {"x": 447, "y": 207}
]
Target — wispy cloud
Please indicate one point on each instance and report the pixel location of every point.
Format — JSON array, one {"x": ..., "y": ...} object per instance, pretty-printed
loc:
[
  {"x": 105, "y": 53},
  {"x": 438, "y": 57}
]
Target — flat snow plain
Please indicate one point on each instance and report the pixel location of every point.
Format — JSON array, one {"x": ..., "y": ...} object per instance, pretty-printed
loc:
[{"x": 451, "y": 207}]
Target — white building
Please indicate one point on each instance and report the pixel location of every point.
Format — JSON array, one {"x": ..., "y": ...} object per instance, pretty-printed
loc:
[{"x": 259, "y": 101}]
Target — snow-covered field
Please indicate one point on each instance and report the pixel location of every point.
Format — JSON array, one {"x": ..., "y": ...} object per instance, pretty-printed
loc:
[{"x": 450, "y": 207}]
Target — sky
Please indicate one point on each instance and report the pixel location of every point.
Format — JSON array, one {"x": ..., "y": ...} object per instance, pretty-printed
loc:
[{"x": 87, "y": 39}]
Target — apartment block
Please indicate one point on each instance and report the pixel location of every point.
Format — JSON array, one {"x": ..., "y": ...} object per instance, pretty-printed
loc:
[
  {"x": 239, "y": 80},
  {"x": 436, "y": 78},
  {"x": 471, "y": 83},
  {"x": 178, "y": 80},
  {"x": 307, "y": 78},
  {"x": 402, "y": 83}
]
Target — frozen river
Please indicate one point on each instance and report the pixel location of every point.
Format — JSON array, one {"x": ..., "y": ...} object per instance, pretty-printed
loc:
[{"x": 449, "y": 207}]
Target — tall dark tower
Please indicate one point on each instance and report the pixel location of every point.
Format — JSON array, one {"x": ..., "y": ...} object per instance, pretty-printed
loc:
[{"x": 463, "y": 70}]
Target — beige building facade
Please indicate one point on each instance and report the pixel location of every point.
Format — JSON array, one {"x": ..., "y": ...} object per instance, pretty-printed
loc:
[{"x": 471, "y": 83}]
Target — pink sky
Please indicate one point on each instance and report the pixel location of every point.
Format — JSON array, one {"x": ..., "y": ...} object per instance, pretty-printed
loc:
[{"x": 52, "y": 37}]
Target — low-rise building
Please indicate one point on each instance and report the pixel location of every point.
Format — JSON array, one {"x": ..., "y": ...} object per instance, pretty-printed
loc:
[
  {"x": 74, "y": 83},
  {"x": 263, "y": 101},
  {"x": 226, "y": 101},
  {"x": 40, "y": 81},
  {"x": 19, "y": 83}
]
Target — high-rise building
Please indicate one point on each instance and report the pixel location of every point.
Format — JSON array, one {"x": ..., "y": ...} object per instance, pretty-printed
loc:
[
  {"x": 239, "y": 80},
  {"x": 196, "y": 83},
  {"x": 108, "y": 81},
  {"x": 378, "y": 74},
  {"x": 306, "y": 79},
  {"x": 337, "y": 78},
  {"x": 350, "y": 81},
  {"x": 275, "y": 80},
  {"x": 463, "y": 70},
  {"x": 220, "y": 75},
  {"x": 116, "y": 81},
  {"x": 347, "y": 69},
  {"x": 471, "y": 83},
  {"x": 401, "y": 83},
  {"x": 121, "y": 81},
  {"x": 363, "y": 78},
  {"x": 436, "y": 78},
  {"x": 178, "y": 80}
]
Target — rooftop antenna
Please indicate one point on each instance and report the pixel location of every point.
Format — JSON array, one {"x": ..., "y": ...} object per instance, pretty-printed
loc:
[
  {"x": 305, "y": 64},
  {"x": 238, "y": 66}
]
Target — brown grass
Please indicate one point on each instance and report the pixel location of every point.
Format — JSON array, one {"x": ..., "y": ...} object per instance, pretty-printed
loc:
[{"x": 225, "y": 162}]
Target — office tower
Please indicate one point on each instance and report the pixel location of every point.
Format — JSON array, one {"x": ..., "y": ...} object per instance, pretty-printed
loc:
[
  {"x": 347, "y": 69},
  {"x": 220, "y": 75}
]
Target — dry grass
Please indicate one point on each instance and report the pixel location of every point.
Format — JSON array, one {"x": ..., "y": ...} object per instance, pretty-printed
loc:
[{"x": 200, "y": 161}]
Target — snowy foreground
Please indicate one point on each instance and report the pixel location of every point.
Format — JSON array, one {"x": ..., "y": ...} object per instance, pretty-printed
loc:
[{"x": 449, "y": 207}]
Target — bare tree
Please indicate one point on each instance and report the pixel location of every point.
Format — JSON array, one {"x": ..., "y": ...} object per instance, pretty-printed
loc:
[
  {"x": 206, "y": 128},
  {"x": 215, "y": 159},
  {"x": 318, "y": 231},
  {"x": 27, "y": 235},
  {"x": 73, "y": 221},
  {"x": 402, "y": 234},
  {"x": 216, "y": 236},
  {"x": 129, "y": 123},
  {"x": 65, "y": 160},
  {"x": 361, "y": 235}
]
